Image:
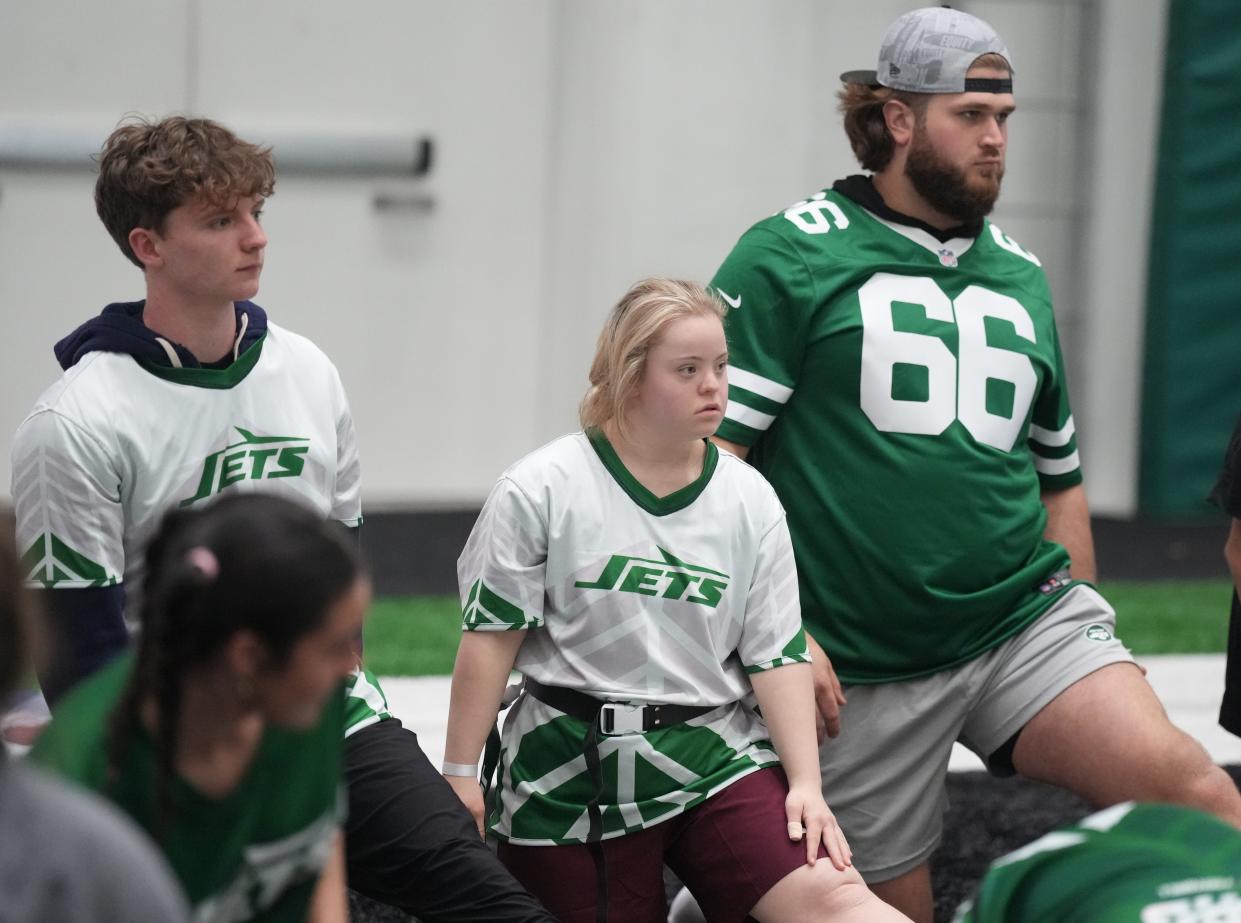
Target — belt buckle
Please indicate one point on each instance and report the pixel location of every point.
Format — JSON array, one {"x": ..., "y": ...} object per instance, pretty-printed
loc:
[{"x": 621, "y": 718}]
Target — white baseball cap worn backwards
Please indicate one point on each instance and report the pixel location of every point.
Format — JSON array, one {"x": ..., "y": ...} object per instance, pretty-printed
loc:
[{"x": 931, "y": 50}]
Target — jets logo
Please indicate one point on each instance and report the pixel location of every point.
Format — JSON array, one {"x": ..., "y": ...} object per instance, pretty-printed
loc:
[
  {"x": 1205, "y": 908},
  {"x": 1098, "y": 633},
  {"x": 254, "y": 458},
  {"x": 669, "y": 578}
]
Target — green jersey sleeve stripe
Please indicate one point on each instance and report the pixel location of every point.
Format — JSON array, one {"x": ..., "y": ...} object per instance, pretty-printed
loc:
[
  {"x": 777, "y": 663},
  {"x": 764, "y": 387},
  {"x": 486, "y": 610},
  {"x": 1053, "y": 438},
  {"x": 747, "y": 416},
  {"x": 736, "y": 432},
  {"x": 1057, "y": 465},
  {"x": 363, "y": 722},
  {"x": 1055, "y": 454},
  {"x": 753, "y": 401}
]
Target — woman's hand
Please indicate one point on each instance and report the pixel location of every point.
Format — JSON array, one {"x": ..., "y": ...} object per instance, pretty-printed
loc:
[
  {"x": 811, "y": 819},
  {"x": 471, "y": 795}
]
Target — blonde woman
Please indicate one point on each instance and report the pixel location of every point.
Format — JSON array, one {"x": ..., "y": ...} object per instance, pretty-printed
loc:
[{"x": 643, "y": 582}]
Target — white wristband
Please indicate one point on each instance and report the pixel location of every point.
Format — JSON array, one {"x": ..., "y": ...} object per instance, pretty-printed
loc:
[{"x": 470, "y": 770}]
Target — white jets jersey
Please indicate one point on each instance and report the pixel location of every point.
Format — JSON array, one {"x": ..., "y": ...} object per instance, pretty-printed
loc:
[
  {"x": 632, "y": 598},
  {"x": 116, "y": 443}
]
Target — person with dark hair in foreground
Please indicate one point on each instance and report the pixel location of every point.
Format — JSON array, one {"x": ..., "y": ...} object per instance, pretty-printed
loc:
[
  {"x": 66, "y": 856},
  {"x": 190, "y": 394},
  {"x": 222, "y": 735}
]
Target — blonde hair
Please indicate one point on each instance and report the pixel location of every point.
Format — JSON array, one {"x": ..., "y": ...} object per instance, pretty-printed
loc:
[
  {"x": 865, "y": 125},
  {"x": 632, "y": 328}
]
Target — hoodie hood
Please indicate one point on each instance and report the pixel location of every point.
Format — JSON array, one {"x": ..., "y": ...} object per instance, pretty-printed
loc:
[
  {"x": 861, "y": 190},
  {"x": 119, "y": 329}
]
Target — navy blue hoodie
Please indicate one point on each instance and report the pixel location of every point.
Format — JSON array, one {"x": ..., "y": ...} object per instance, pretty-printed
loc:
[{"x": 119, "y": 329}]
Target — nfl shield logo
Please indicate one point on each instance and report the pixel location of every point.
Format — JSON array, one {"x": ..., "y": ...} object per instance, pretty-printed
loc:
[{"x": 948, "y": 258}]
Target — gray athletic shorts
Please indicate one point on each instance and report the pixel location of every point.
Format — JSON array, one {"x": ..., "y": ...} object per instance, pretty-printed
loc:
[{"x": 884, "y": 776}]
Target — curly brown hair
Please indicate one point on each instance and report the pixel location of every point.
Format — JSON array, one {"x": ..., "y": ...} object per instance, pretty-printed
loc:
[
  {"x": 146, "y": 169},
  {"x": 862, "y": 107}
]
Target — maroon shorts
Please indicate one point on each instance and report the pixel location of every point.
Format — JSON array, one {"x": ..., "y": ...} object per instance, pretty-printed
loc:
[{"x": 730, "y": 850}]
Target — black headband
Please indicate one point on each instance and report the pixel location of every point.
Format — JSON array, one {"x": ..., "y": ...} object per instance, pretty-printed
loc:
[{"x": 988, "y": 84}]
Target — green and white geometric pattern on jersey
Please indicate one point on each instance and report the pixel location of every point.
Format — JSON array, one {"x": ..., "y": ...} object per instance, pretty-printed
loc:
[
  {"x": 906, "y": 399},
  {"x": 115, "y": 443},
  {"x": 630, "y": 597},
  {"x": 253, "y": 854},
  {"x": 1127, "y": 864}
]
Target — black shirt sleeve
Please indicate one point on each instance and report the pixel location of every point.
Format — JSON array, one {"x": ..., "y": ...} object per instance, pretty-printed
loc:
[
  {"x": 85, "y": 630},
  {"x": 1226, "y": 494}
]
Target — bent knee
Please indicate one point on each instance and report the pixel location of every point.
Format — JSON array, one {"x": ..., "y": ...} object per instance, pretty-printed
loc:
[
  {"x": 1189, "y": 777},
  {"x": 1213, "y": 790},
  {"x": 836, "y": 891}
]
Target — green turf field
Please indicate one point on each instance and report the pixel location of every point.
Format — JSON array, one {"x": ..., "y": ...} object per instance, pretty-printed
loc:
[{"x": 417, "y": 636}]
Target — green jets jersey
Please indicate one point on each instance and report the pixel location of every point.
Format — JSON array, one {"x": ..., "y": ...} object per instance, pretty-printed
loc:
[
  {"x": 634, "y": 598},
  {"x": 251, "y": 855},
  {"x": 116, "y": 443},
  {"x": 906, "y": 399},
  {"x": 1127, "y": 864}
]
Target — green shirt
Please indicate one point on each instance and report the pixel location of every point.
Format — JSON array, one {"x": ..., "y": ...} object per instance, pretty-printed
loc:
[
  {"x": 906, "y": 399},
  {"x": 1128, "y": 864},
  {"x": 254, "y": 854}
]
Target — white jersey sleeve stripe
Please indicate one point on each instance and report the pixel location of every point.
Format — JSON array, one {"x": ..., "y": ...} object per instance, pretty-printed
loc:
[
  {"x": 748, "y": 416},
  {"x": 1053, "y": 466},
  {"x": 764, "y": 387},
  {"x": 1053, "y": 438}
]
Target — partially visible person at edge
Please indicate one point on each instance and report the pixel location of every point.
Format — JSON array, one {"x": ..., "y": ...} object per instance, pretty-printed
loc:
[
  {"x": 642, "y": 582},
  {"x": 1130, "y": 863},
  {"x": 896, "y": 375},
  {"x": 66, "y": 856},
  {"x": 190, "y": 394},
  {"x": 1227, "y": 496},
  {"x": 222, "y": 735}
]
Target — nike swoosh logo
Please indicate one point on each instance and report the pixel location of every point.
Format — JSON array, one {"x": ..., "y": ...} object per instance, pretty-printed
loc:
[{"x": 732, "y": 302}]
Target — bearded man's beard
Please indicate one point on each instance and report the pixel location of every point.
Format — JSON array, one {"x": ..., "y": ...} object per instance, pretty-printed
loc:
[{"x": 946, "y": 187}]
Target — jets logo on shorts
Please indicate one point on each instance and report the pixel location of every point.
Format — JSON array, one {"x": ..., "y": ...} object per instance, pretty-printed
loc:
[
  {"x": 1098, "y": 633},
  {"x": 254, "y": 458},
  {"x": 670, "y": 578}
]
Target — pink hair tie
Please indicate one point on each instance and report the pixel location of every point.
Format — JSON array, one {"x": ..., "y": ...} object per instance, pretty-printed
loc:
[{"x": 204, "y": 560}]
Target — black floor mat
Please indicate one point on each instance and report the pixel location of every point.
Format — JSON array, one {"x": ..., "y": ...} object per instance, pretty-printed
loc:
[{"x": 986, "y": 818}]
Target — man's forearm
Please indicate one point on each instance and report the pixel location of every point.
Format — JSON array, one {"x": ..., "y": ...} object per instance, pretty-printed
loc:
[{"x": 1068, "y": 523}]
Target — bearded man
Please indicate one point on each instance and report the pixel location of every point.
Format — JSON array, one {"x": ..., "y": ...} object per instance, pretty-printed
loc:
[{"x": 896, "y": 374}]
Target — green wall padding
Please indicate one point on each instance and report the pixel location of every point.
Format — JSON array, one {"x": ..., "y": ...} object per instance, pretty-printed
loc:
[{"x": 1192, "y": 374}]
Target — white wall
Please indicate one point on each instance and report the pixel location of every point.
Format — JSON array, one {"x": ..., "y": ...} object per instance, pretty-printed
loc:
[
  {"x": 1117, "y": 194},
  {"x": 581, "y": 144}
]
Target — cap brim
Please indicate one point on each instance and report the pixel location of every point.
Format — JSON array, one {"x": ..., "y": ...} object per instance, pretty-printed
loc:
[{"x": 866, "y": 78}]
